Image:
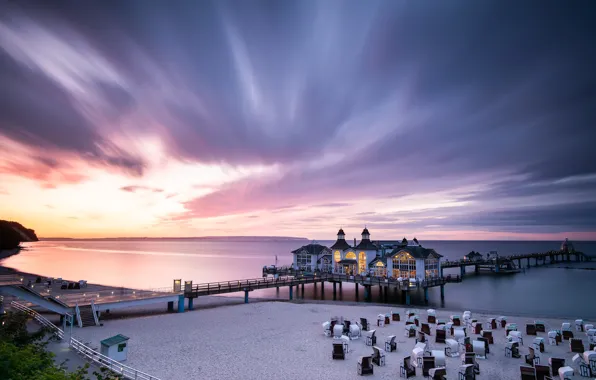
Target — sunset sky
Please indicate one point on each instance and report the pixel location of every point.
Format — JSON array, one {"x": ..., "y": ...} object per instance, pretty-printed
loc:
[{"x": 435, "y": 119}]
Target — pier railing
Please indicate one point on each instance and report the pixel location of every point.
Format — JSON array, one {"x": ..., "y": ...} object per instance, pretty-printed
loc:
[{"x": 89, "y": 353}]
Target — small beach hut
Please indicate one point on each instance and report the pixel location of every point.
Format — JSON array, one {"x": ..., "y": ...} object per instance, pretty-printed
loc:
[{"x": 115, "y": 347}]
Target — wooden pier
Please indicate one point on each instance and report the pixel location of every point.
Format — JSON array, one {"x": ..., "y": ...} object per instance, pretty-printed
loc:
[
  {"x": 506, "y": 264},
  {"x": 300, "y": 279}
]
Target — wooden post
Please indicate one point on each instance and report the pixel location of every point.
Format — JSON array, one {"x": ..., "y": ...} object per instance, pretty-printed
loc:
[
  {"x": 181, "y": 303},
  {"x": 245, "y": 295},
  {"x": 407, "y": 297},
  {"x": 190, "y": 303},
  {"x": 462, "y": 270},
  {"x": 291, "y": 295},
  {"x": 426, "y": 295},
  {"x": 442, "y": 292},
  {"x": 528, "y": 262}
]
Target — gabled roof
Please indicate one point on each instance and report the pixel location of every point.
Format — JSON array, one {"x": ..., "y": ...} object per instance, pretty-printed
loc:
[
  {"x": 116, "y": 339},
  {"x": 341, "y": 244},
  {"x": 313, "y": 249},
  {"x": 367, "y": 245},
  {"x": 376, "y": 260},
  {"x": 473, "y": 254},
  {"x": 327, "y": 255},
  {"x": 416, "y": 252},
  {"x": 348, "y": 261}
]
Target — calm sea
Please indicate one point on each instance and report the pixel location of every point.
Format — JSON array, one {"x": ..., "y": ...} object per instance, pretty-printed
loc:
[{"x": 560, "y": 290}]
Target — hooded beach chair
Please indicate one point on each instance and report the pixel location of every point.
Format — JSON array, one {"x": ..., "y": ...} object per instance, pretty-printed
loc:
[
  {"x": 390, "y": 344},
  {"x": 479, "y": 349},
  {"x": 512, "y": 350},
  {"x": 530, "y": 329},
  {"x": 425, "y": 328},
  {"x": 576, "y": 345},
  {"x": 466, "y": 372},
  {"x": 527, "y": 373},
  {"x": 555, "y": 364},
  {"x": 428, "y": 362},
  {"x": 407, "y": 370},
  {"x": 431, "y": 316},
  {"x": 531, "y": 358},
  {"x": 338, "y": 351},
  {"x": 371, "y": 338},
  {"x": 452, "y": 349},
  {"x": 540, "y": 326},
  {"x": 378, "y": 356},
  {"x": 440, "y": 336},
  {"x": 488, "y": 335},
  {"x": 365, "y": 366},
  {"x": 542, "y": 371},
  {"x": 538, "y": 344},
  {"x": 364, "y": 324},
  {"x": 439, "y": 373}
]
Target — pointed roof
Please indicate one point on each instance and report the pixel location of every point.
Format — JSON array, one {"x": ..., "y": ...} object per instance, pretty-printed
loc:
[
  {"x": 313, "y": 249},
  {"x": 365, "y": 231},
  {"x": 416, "y": 252},
  {"x": 341, "y": 232}
]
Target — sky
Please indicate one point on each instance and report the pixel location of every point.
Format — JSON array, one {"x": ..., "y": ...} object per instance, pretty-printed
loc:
[{"x": 460, "y": 120}]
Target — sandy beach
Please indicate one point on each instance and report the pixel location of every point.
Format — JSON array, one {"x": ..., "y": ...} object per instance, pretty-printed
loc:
[{"x": 286, "y": 340}]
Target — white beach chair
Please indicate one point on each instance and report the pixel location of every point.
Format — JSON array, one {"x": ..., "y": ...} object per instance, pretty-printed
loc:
[
  {"x": 590, "y": 359},
  {"x": 381, "y": 320},
  {"x": 459, "y": 334},
  {"x": 338, "y": 331},
  {"x": 439, "y": 357},
  {"x": 354, "y": 331},
  {"x": 408, "y": 331},
  {"x": 479, "y": 349},
  {"x": 582, "y": 366},
  {"x": 579, "y": 325},
  {"x": 588, "y": 326},
  {"x": 452, "y": 348},
  {"x": 591, "y": 333},
  {"x": 566, "y": 373},
  {"x": 515, "y": 337},
  {"x": 371, "y": 338},
  {"x": 500, "y": 320},
  {"x": 390, "y": 344},
  {"x": 466, "y": 372},
  {"x": 565, "y": 326},
  {"x": 423, "y": 347},
  {"x": 417, "y": 354},
  {"x": 538, "y": 344},
  {"x": 552, "y": 337},
  {"x": 327, "y": 328}
]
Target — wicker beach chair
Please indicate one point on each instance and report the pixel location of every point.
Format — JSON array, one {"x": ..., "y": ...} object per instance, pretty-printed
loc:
[
  {"x": 488, "y": 335},
  {"x": 431, "y": 316},
  {"x": 470, "y": 358},
  {"x": 410, "y": 331},
  {"x": 555, "y": 364},
  {"x": 338, "y": 351},
  {"x": 540, "y": 326},
  {"x": 439, "y": 373},
  {"x": 477, "y": 326},
  {"x": 531, "y": 357},
  {"x": 371, "y": 338},
  {"x": 364, "y": 324},
  {"x": 390, "y": 344},
  {"x": 425, "y": 328},
  {"x": 466, "y": 372},
  {"x": 479, "y": 348},
  {"x": 365, "y": 366},
  {"x": 530, "y": 329},
  {"x": 576, "y": 345},
  {"x": 378, "y": 356},
  {"x": 512, "y": 350},
  {"x": 527, "y": 373},
  {"x": 407, "y": 370},
  {"x": 428, "y": 362},
  {"x": 486, "y": 345},
  {"x": 542, "y": 371},
  {"x": 492, "y": 322},
  {"x": 395, "y": 317},
  {"x": 420, "y": 337},
  {"x": 441, "y": 335}
]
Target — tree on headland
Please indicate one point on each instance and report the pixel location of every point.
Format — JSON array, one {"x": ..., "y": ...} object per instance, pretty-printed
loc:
[{"x": 23, "y": 355}]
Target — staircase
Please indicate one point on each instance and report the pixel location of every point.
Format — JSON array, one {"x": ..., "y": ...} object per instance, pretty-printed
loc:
[{"x": 87, "y": 316}]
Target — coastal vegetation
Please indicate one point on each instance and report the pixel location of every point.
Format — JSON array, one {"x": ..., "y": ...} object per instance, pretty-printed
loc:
[
  {"x": 23, "y": 354},
  {"x": 13, "y": 233}
]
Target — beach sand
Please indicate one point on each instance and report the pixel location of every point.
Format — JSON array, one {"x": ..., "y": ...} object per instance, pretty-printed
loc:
[{"x": 282, "y": 340}]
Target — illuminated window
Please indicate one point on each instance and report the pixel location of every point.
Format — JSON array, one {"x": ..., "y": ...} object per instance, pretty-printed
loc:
[
  {"x": 351, "y": 256},
  {"x": 404, "y": 265},
  {"x": 304, "y": 261},
  {"x": 326, "y": 264},
  {"x": 379, "y": 269},
  {"x": 380, "y": 264},
  {"x": 337, "y": 256},
  {"x": 431, "y": 267},
  {"x": 362, "y": 262}
]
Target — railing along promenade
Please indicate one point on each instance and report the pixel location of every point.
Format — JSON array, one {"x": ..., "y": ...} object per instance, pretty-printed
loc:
[
  {"x": 553, "y": 256},
  {"x": 89, "y": 353}
]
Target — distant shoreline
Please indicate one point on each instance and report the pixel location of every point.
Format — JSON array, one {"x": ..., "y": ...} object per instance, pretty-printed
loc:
[{"x": 212, "y": 238}]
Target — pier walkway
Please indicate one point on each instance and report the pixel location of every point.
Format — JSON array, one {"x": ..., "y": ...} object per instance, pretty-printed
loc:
[
  {"x": 300, "y": 279},
  {"x": 506, "y": 264}
]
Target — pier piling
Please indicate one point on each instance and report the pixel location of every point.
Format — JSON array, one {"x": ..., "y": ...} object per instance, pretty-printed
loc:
[
  {"x": 366, "y": 292},
  {"x": 462, "y": 270},
  {"x": 245, "y": 295},
  {"x": 181, "y": 303},
  {"x": 291, "y": 295},
  {"x": 426, "y": 295},
  {"x": 171, "y": 306},
  {"x": 407, "y": 297},
  {"x": 442, "y": 292},
  {"x": 190, "y": 303}
]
